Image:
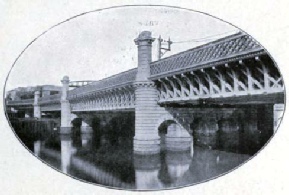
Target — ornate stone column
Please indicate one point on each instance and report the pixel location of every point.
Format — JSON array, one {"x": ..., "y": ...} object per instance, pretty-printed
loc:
[
  {"x": 146, "y": 140},
  {"x": 36, "y": 105},
  {"x": 65, "y": 107}
]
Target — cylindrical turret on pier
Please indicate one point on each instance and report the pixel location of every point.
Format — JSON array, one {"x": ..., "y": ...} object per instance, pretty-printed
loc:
[
  {"x": 65, "y": 107},
  {"x": 36, "y": 105},
  {"x": 146, "y": 140}
]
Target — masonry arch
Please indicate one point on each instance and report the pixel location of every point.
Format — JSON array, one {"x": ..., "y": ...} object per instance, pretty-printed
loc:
[
  {"x": 163, "y": 131},
  {"x": 173, "y": 136}
]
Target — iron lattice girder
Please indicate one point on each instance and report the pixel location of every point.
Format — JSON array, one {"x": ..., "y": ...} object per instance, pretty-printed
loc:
[
  {"x": 253, "y": 76},
  {"x": 112, "y": 99}
]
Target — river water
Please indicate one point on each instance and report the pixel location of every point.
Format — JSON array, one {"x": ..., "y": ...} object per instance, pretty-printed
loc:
[{"x": 113, "y": 164}]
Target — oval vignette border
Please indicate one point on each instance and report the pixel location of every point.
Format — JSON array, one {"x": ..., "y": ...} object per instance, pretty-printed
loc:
[{"x": 136, "y": 6}]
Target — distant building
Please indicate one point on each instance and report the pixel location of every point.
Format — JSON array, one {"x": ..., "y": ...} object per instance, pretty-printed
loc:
[{"x": 22, "y": 93}]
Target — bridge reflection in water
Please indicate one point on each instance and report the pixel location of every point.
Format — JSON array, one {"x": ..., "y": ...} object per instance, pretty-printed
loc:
[{"x": 97, "y": 158}]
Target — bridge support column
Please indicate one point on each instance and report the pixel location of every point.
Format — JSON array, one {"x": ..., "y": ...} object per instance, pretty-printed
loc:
[
  {"x": 146, "y": 140},
  {"x": 278, "y": 114},
  {"x": 265, "y": 122},
  {"x": 178, "y": 138},
  {"x": 27, "y": 114},
  {"x": 37, "y": 147},
  {"x": 86, "y": 139},
  {"x": 85, "y": 127},
  {"x": 37, "y": 109},
  {"x": 65, "y": 107}
]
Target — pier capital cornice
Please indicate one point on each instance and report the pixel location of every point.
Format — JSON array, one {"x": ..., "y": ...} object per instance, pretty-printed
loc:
[
  {"x": 65, "y": 80},
  {"x": 144, "y": 38}
]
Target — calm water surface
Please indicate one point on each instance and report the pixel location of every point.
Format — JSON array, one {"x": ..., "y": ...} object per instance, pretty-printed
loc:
[{"x": 98, "y": 161}]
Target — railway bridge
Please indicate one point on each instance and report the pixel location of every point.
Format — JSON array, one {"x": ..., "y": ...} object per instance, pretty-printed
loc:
[{"x": 232, "y": 76}]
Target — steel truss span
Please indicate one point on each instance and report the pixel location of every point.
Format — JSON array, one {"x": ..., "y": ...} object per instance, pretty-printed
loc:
[
  {"x": 113, "y": 99},
  {"x": 249, "y": 77}
]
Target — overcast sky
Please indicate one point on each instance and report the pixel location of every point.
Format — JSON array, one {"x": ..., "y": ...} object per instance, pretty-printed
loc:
[{"x": 100, "y": 44}]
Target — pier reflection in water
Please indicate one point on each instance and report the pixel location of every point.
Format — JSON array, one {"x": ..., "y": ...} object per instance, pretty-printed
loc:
[{"x": 81, "y": 156}]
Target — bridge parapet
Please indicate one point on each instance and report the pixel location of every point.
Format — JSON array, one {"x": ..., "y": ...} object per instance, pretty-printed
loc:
[
  {"x": 112, "y": 93},
  {"x": 116, "y": 81},
  {"x": 112, "y": 99}
]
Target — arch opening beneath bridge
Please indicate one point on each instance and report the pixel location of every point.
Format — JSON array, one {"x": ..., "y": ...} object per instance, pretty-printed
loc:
[
  {"x": 163, "y": 131},
  {"x": 173, "y": 136}
]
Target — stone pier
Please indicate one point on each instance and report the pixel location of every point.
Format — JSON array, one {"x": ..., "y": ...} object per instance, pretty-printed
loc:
[
  {"x": 37, "y": 147},
  {"x": 86, "y": 127},
  {"x": 36, "y": 105},
  {"x": 27, "y": 114},
  {"x": 278, "y": 114},
  {"x": 146, "y": 139},
  {"x": 177, "y": 138},
  {"x": 86, "y": 139},
  {"x": 65, "y": 107}
]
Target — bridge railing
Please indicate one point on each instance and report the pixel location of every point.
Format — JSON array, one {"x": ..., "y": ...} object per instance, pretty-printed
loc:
[
  {"x": 112, "y": 82},
  {"x": 79, "y": 83}
]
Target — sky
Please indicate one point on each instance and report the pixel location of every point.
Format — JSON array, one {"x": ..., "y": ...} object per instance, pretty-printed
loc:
[{"x": 100, "y": 44}]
